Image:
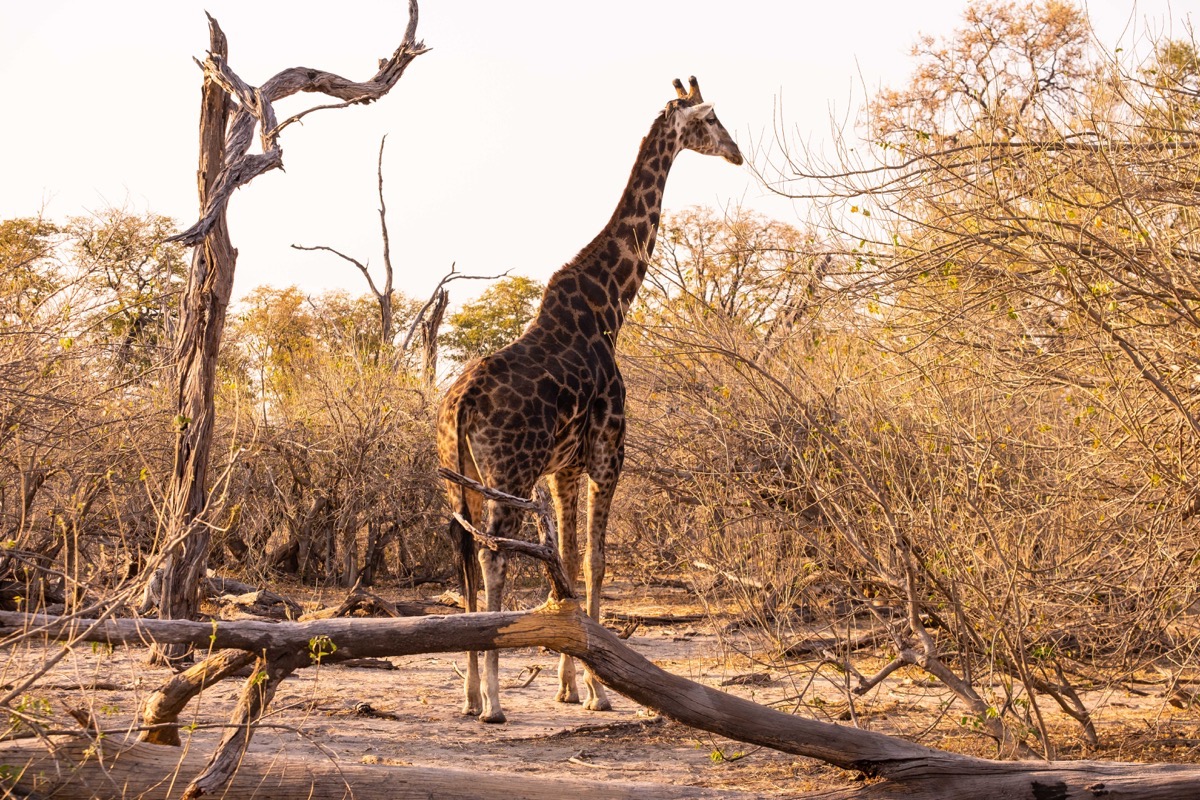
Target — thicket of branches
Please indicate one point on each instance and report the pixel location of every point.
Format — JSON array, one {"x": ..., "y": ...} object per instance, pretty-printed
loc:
[
  {"x": 959, "y": 417},
  {"x": 324, "y": 453},
  {"x": 85, "y": 310}
]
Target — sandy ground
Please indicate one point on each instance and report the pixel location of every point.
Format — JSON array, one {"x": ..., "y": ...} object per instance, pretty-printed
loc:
[{"x": 414, "y": 711}]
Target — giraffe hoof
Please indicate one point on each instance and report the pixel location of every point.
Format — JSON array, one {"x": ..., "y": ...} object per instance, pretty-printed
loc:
[
  {"x": 598, "y": 705},
  {"x": 495, "y": 718},
  {"x": 565, "y": 696},
  {"x": 470, "y": 710}
]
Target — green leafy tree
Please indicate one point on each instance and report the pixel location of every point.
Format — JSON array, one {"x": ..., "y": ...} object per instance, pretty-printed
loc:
[
  {"x": 28, "y": 274},
  {"x": 276, "y": 333},
  {"x": 137, "y": 273},
  {"x": 349, "y": 325},
  {"x": 493, "y": 320}
]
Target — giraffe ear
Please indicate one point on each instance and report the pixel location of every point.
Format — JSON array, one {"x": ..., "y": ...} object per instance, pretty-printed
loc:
[{"x": 696, "y": 112}]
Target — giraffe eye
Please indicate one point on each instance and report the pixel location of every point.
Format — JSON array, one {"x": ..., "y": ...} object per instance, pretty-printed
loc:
[{"x": 711, "y": 119}]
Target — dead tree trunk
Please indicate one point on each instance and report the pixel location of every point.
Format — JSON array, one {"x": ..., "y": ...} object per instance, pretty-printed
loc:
[
  {"x": 198, "y": 338},
  {"x": 429, "y": 336},
  {"x": 231, "y": 111},
  {"x": 383, "y": 297},
  {"x": 435, "y": 308}
]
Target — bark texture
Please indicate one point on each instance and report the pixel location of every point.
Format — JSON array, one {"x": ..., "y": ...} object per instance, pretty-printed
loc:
[{"x": 198, "y": 339}]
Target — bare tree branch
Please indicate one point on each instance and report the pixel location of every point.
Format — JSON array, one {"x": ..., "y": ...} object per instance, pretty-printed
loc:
[{"x": 447, "y": 278}]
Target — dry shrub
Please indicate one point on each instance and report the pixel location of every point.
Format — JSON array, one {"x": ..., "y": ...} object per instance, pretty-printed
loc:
[
  {"x": 338, "y": 476},
  {"x": 83, "y": 422},
  {"x": 859, "y": 481}
]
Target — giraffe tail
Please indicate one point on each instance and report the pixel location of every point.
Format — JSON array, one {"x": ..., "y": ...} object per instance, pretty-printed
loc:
[
  {"x": 460, "y": 538},
  {"x": 468, "y": 572}
]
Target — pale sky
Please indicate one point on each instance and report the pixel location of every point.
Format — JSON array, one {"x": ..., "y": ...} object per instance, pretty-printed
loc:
[{"x": 508, "y": 143}]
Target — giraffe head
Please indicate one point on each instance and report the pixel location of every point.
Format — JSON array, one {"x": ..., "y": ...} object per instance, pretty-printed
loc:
[{"x": 697, "y": 125}]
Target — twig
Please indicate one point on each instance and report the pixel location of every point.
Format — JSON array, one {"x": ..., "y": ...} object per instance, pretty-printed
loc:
[
  {"x": 447, "y": 278},
  {"x": 651, "y": 620},
  {"x": 867, "y": 684},
  {"x": 492, "y": 494},
  {"x": 547, "y": 551},
  {"x": 614, "y": 728},
  {"x": 560, "y": 584},
  {"x": 85, "y": 719},
  {"x": 367, "y": 663},
  {"x": 533, "y": 669}
]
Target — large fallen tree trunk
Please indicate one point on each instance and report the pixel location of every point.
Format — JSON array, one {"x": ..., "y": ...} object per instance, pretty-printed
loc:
[{"x": 910, "y": 770}]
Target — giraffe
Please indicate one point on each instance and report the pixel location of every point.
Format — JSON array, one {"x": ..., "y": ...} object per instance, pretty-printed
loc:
[{"x": 552, "y": 403}]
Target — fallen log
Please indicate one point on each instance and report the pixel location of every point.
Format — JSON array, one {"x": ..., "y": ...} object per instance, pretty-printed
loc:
[
  {"x": 819, "y": 644},
  {"x": 105, "y": 770},
  {"x": 163, "y": 706},
  {"x": 737, "y": 580},
  {"x": 652, "y": 620},
  {"x": 371, "y": 604},
  {"x": 911, "y": 770}
]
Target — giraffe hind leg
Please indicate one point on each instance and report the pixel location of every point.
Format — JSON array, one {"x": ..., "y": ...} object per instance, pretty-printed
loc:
[
  {"x": 494, "y": 572},
  {"x": 472, "y": 700},
  {"x": 568, "y": 692},
  {"x": 564, "y": 489}
]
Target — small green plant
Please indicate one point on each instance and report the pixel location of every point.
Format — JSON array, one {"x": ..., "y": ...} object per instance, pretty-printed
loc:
[
  {"x": 718, "y": 756},
  {"x": 319, "y": 647},
  {"x": 30, "y": 704},
  {"x": 975, "y": 722},
  {"x": 1042, "y": 652}
]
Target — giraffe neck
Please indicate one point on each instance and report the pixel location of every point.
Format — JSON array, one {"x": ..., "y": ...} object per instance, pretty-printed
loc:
[{"x": 604, "y": 278}]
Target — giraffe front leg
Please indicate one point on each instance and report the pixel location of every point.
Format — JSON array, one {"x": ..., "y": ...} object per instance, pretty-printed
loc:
[
  {"x": 567, "y": 691},
  {"x": 494, "y": 570},
  {"x": 600, "y": 493}
]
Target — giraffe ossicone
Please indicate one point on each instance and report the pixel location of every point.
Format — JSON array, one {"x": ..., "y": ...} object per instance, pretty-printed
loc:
[{"x": 552, "y": 403}]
